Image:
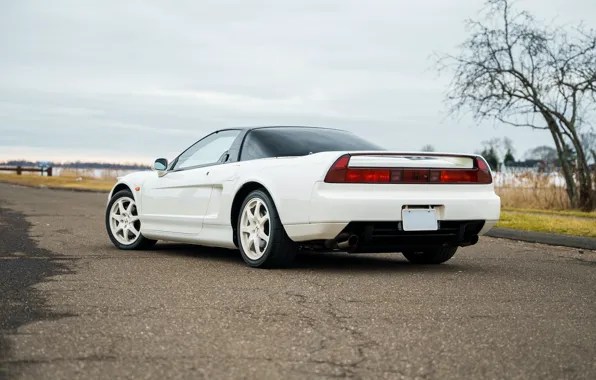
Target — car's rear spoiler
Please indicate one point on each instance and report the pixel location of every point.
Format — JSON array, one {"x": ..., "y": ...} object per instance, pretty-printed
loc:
[{"x": 409, "y": 167}]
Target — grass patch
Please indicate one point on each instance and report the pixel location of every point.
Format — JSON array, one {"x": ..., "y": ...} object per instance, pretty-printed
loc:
[
  {"x": 59, "y": 182},
  {"x": 548, "y": 223},
  {"x": 535, "y": 198},
  {"x": 577, "y": 213}
]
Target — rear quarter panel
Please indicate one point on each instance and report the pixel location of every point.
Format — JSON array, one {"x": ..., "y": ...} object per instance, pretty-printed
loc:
[{"x": 289, "y": 181}]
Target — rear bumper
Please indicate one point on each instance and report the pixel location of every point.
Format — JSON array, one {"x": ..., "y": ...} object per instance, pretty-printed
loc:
[
  {"x": 334, "y": 207},
  {"x": 336, "y": 203},
  {"x": 389, "y": 237},
  {"x": 386, "y": 236}
]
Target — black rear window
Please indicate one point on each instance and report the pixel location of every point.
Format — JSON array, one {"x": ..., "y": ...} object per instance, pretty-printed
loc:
[{"x": 289, "y": 141}]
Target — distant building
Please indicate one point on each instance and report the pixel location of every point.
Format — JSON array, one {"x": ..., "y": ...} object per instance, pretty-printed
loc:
[{"x": 533, "y": 165}]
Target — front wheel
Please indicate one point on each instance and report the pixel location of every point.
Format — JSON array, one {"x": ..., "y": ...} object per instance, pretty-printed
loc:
[
  {"x": 432, "y": 256},
  {"x": 261, "y": 237},
  {"x": 123, "y": 224}
]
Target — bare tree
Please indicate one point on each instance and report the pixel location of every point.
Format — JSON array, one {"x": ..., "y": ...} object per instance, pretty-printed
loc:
[
  {"x": 427, "y": 148},
  {"x": 589, "y": 143},
  {"x": 513, "y": 70},
  {"x": 544, "y": 153},
  {"x": 500, "y": 148},
  {"x": 508, "y": 145},
  {"x": 494, "y": 143}
]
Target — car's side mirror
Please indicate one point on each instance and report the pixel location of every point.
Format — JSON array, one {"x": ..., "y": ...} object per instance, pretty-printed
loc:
[
  {"x": 224, "y": 157},
  {"x": 160, "y": 166}
]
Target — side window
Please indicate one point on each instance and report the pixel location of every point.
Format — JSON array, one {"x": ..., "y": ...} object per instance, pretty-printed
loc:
[
  {"x": 252, "y": 148},
  {"x": 207, "y": 151}
]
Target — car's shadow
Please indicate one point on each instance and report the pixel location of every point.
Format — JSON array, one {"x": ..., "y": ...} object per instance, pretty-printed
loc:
[{"x": 312, "y": 260}]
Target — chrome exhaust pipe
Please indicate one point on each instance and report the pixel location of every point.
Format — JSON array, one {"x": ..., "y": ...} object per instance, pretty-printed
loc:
[
  {"x": 342, "y": 241},
  {"x": 332, "y": 243},
  {"x": 350, "y": 243}
]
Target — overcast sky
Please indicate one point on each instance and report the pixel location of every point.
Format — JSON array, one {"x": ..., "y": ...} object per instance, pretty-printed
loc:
[{"x": 125, "y": 80}]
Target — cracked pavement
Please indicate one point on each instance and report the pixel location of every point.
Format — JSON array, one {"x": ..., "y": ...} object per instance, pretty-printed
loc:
[{"x": 73, "y": 306}]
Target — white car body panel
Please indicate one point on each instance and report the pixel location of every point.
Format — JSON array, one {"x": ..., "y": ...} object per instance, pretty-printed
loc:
[
  {"x": 195, "y": 205},
  {"x": 180, "y": 201}
]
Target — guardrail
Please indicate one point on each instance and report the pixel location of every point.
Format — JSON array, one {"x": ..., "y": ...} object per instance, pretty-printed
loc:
[{"x": 20, "y": 170}]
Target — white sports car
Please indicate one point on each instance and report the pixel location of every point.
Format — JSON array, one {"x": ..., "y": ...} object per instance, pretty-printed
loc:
[{"x": 273, "y": 191}]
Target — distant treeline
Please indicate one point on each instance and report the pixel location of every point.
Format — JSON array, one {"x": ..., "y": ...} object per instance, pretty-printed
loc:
[{"x": 76, "y": 165}]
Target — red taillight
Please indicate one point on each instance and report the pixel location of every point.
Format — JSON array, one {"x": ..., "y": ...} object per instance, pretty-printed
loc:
[
  {"x": 341, "y": 173},
  {"x": 337, "y": 173},
  {"x": 455, "y": 176},
  {"x": 484, "y": 175},
  {"x": 368, "y": 175}
]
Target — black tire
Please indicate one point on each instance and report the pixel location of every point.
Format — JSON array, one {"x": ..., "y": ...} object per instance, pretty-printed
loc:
[
  {"x": 280, "y": 250},
  {"x": 141, "y": 242},
  {"x": 433, "y": 256}
]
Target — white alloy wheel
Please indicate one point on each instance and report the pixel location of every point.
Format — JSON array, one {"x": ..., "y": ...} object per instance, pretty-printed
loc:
[
  {"x": 124, "y": 221},
  {"x": 255, "y": 228}
]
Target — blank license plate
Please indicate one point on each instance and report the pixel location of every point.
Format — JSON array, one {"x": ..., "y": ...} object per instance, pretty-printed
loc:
[{"x": 421, "y": 219}]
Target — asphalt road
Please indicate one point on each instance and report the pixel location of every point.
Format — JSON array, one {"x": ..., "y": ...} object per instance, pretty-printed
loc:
[{"x": 72, "y": 306}]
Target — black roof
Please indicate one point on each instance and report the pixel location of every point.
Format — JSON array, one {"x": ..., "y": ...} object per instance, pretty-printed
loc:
[{"x": 248, "y": 128}]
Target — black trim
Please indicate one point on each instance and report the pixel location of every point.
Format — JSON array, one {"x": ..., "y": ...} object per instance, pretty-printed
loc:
[
  {"x": 242, "y": 144},
  {"x": 236, "y": 148}
]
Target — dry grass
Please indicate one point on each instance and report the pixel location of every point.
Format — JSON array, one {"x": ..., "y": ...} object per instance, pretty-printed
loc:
[
  {"x": 548, "y": 198},
  {"x": 107, "y": 174},
  {"x": 531, "y": 190},
  {"x": 534, "y": 202},
  {"x": 63, "y": 182},
  {"x": 548, "y": 223}
]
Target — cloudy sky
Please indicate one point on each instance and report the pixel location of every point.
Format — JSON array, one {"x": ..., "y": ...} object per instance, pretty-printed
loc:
[{"x": 132, "y": 80}]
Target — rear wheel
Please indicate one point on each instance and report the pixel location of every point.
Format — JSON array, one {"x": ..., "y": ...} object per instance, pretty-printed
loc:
[
  {"x": 261, "y": 237},
  {"x": 432, "y": 256},
  {"x": 123, "y": 224}
]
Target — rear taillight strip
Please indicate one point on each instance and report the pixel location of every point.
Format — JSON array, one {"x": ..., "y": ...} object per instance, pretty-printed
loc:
[{"x": 341, "y": 173}]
